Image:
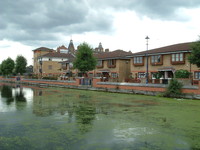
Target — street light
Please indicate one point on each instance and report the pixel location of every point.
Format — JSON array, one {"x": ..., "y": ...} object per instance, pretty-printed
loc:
[
  {"x": 40, "y": 66},
  {"x": 147, "y": 65}
]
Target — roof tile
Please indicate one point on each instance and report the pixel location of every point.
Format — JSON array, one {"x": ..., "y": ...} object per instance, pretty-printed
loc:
[
  {"x": 113, "y": 54},
  {"x": 168, "y": 49}
]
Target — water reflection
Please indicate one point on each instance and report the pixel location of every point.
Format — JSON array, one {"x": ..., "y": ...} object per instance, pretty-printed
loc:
[
  {"x": 13, "y": 96},
  {"x": 6, "y": 92},
  {"x": 85, "y": 114},
  {"x": 73, "y": 119}
]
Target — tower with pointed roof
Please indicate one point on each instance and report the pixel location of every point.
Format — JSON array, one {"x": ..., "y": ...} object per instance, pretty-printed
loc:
[{"x": 71, "y": 48}]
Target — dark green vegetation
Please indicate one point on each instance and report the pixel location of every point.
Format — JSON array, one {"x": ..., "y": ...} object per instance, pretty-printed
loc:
[
  {"x": 66, "y": 119},
  {"x": 7, "y": 66},
  {"x": 11, "y": 67},
  {"x": 182, "y": 73},
  {"x": 20, "y": 66},
  {"x": 195, "y": 54},
  {"x": 173, "y": 89},
  {"x": 85, "y": 61},
  {"x": 157, "y": 75}
]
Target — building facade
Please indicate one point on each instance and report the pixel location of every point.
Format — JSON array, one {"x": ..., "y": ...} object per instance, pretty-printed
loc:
[
  {"x": 165, "y": 60},
  {"x": 112, "y": 66},
  {"x": 48, "y": 62},
  {"x": 37, "y": 63}
]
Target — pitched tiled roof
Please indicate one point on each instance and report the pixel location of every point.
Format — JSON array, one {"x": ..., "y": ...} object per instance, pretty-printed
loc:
[
  {"x": 112, "y": 55},
  {"x": 43, "y": 49},
  {"x": 167, "y": 49},
  {"x": 58, "y": 55}
]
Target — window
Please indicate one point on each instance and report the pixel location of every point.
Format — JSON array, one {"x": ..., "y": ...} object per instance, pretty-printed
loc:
[
  {"x": 197, "y": 75},
  {"x": 138, "y": 60},
  {"x": 141, "y": 74},
  {"x": 178, "y": 58},
  {"x": 114, "y": 75},
  {"x": 111, "y": 63},
  {"x": 50, "y": 67},
  {"x": 70, "y": 65},
  {"x": 156, "y": 60},
  {"x": 50, "y": 59},
  {"x": 99, "y": 63},
  {"x": 64, "y": 66}
]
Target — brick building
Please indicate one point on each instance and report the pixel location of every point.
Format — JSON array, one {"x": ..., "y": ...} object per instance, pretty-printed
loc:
[
  {"x": 165, "y": 60},
  {"x": 48, "y": 62},
  {"x": 112, "y": 66}
]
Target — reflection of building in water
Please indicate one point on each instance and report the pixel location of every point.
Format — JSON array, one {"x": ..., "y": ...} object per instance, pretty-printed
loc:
[
  {"x": 47, "y": 105},
  {"x": 41, "y": 92}
]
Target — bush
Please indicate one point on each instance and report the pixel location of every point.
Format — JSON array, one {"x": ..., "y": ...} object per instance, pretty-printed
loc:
[
  {"x": 174, "y": 89},
  {"x": 157, "y": 75},
  {"x": 182, "y": 74}
]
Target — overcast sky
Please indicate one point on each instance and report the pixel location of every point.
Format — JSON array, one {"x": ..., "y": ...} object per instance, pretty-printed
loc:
[{"x": 118, "y": 24}]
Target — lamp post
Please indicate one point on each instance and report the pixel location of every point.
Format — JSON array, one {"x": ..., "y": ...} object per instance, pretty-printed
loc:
[
  {"x": 147, "y": 65},
  {"x": 40, "y": 66}
]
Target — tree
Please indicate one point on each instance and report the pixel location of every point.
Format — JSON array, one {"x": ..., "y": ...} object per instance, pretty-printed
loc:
[
  {"x": 7, "y": 66},
  {"x": 85, "y": 60},
  {"x": 195, "y": 54},
  {"x": 21, "y": 63}
]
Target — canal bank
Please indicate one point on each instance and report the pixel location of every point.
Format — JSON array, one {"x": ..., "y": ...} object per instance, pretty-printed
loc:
[{"x": 192, "y": 92}]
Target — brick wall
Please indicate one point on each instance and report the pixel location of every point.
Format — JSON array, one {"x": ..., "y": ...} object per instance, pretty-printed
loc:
[{"x": 142, "y": 87}]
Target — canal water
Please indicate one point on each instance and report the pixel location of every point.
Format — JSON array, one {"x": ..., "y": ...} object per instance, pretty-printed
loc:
[{"x": 67, "y": 119}]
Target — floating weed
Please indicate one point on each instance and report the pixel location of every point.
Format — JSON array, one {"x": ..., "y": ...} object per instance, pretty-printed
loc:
[{"x": 59, "y": 118}]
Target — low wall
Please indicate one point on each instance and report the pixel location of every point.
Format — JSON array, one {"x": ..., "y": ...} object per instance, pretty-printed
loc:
[
  {"x": 43, "y": 82},
  {"x": 147, "y": 89},
  {"x": 136, "y": 88}
]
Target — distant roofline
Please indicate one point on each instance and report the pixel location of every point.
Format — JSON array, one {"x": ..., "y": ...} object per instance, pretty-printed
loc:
[
  {"x": 43, "y": 49},
  {"x": 174, "y": 48},
  {"x": 116, "y": 54}
]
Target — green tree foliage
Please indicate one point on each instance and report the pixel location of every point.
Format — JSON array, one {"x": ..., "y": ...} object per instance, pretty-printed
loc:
[
  {"x": 182, "y": 73},
  {"x": 174, "y": 89},
  {"x": 7, "y": 66},
  {"x": 20, "y": 66},
  {"x": 195, "y": 54},
  {"x": 85, "y": 61},
  {"x": 157, "y": 75}
]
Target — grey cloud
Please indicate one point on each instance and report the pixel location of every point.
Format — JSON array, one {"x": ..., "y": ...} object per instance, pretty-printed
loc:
[
  {"x": 156, "y": 9},
  {"x": 31, "y": 21},
  {"x": 43, "y": 20}
]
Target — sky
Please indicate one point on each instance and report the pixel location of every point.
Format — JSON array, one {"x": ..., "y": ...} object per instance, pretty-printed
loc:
[{"x": 118, "y": 24}]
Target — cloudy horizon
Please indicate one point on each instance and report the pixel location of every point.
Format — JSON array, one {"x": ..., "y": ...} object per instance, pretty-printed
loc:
[{"x": 26, "y": 25}]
